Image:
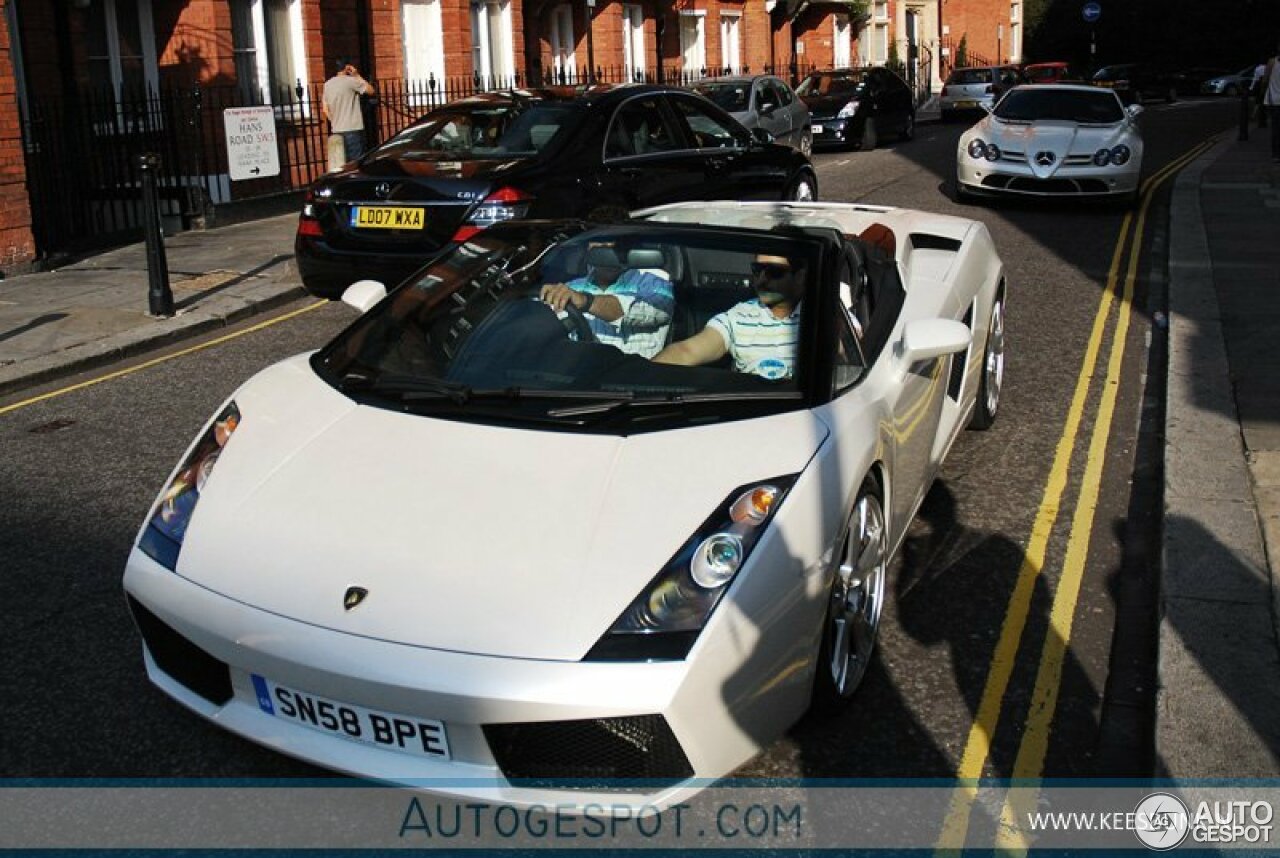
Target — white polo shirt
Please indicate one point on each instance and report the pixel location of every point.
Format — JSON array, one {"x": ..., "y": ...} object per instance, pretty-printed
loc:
[{"x": 759, "y": 342}]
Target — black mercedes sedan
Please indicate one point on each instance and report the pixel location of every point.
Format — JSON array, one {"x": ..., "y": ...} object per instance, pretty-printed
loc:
[
  {"x": 858, "y": 107},
  {"x": 594, "y": 153}
]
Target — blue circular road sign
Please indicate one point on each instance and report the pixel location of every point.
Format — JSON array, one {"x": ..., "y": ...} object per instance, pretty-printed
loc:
[{"x": 1092, "y": 12}]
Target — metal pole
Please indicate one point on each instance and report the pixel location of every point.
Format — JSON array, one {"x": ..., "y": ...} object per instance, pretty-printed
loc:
[
  {"x": 1244, "y": 114},
  {"x": 159, "y": 295}
]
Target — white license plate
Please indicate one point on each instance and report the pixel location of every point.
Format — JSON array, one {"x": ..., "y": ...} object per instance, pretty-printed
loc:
[
  {"x": 966, "y": 104},
  {"x": 422, "y": 736},
  {"x": 817, "y": 129}
]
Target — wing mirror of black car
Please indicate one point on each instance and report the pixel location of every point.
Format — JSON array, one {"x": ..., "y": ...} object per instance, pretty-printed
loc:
[
  {"x": 761, "y": 137},
  {"x": 363, "y": 294}
]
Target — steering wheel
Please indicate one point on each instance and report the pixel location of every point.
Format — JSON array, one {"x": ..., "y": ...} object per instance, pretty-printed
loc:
[{"x": 576, "y": 324}]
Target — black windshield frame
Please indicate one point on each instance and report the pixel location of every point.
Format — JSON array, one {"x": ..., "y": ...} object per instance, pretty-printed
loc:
[{"x": 705, "y": 392}]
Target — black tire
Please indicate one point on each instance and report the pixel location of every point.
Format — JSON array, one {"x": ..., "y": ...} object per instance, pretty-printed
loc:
[
  {"x": 909, "y": 128},
  {"x": 795, "y": 191},
  {"x": 988, "y": 402},
  {"x": 857, "y": 607},
  {"x": 870, "y": 137}
]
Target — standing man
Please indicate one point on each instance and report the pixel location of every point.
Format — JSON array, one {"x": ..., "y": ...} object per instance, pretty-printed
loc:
[
  {"x": 341, "y": 106},
  {"x": 1271, "y": 101}
]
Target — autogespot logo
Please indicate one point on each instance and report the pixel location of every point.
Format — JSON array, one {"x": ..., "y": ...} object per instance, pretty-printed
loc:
[{"x": 1162, "y": 821}]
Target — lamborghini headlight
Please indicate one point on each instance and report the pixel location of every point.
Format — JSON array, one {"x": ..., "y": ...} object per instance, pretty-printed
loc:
[
  {"x": 664, "y": 620},
  {"x": 162, "y": 537}
]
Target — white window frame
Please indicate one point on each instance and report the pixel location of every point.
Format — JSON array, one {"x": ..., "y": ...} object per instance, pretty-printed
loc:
[
  {"x": 878, "y": 50},
  {"x": 731, "y": 40},
  {"x": 633, "y": 54},
  {"x": 699, "y": 44},
  {"x": 563, "y": 51},
  {"x": 124, "y": 123},
  {"x": 1015, "y": 31},
  {"x": 841, "y": 38},
  {"x": 492, "y": 62},
  {"x": 262, "y": 60},
  {"x": 422, "y": 24}
]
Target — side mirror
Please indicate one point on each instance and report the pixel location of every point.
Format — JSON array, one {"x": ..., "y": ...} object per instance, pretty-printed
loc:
[
  {"x": 1134, "y": 110},
  {"x": 925, "y": 339},
  {"x": 761, "y": 136},
  {"x": 363, "y": 294}
]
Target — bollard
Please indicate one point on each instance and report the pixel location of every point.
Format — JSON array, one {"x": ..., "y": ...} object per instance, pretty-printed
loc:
[
  {"x": 159, "y": 295},
  {"x": 1244, "y": 114}
]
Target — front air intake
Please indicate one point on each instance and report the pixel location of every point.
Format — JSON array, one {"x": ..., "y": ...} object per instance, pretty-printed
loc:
[
  {"x": 181, "y": 659},
  {"x": 591, "y": 754}
]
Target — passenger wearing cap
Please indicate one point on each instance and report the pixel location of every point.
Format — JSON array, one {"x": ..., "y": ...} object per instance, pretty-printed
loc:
[
  {"x": 760, "y": 334},
  {"x": 625, "y": 307}
]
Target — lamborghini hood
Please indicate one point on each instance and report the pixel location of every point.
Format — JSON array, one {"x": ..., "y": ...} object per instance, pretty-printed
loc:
[{"x": 470, "y": 538}]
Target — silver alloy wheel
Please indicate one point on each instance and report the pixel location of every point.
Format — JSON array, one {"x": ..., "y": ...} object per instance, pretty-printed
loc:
[
  {"x": 994, "y": 365},
  {"x": 806, "y": 144},
  {"x": 857, "y": 596},
  {"x": 802, "y": 192}
]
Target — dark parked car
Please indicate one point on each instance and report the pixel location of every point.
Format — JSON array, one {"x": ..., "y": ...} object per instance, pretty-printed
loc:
[
  {"x": 1189, "y": 81},
  {"x": 554, "y": 152},
  {"x": 1136, "y": 83},
  {"x": 858, "y": 107}
]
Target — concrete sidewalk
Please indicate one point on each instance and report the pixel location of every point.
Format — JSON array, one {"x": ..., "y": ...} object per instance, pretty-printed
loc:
[
  {"x": 1219, "y": 701},
  {"x": 1218, "y": 709},
  {"x": 57, "y": 323}
]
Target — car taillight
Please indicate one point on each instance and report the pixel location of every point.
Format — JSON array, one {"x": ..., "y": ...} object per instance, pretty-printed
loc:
[
  {"x": 503, "y": 204},
  {"x": 309, "y": 226},
  {"x": 307, "y": 222}
]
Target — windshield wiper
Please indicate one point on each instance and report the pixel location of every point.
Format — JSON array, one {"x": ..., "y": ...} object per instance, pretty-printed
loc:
[
  {"x": 610, "y": 403},
  {"x": 409, "y": 388}
]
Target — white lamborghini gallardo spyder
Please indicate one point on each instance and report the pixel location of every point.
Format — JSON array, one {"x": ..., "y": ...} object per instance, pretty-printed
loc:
[{"x": 469, "y": 546}]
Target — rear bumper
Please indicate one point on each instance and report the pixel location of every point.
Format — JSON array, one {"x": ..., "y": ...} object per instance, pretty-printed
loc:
[{"x": 326, "y": 272}]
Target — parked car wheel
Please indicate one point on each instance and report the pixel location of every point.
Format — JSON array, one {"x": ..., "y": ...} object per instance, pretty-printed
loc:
[
  {"x": 804, "y": 189},
  {"x": 870, "y": 138},
  {"x": 806, "y": 144},
  {"x": 857, "y": 598},
  {"x": 988, "y": 402}
]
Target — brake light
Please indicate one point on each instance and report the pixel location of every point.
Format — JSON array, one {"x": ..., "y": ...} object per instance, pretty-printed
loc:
[
  {"x": 506, "y": 203},
  {"x": 309, "y": 226}
]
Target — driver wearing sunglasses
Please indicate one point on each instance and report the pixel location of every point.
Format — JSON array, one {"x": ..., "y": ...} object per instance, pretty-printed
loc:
[{"x": 760, "y": 334}]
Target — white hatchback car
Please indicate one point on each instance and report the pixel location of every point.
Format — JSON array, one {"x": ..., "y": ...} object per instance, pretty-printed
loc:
[
  {"x": 1053, "y": 140},
  {"x": 469, "y": 546}
]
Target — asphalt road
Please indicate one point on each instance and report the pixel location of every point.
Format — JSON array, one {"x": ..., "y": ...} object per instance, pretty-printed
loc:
[{"x": 80, "y": 470}]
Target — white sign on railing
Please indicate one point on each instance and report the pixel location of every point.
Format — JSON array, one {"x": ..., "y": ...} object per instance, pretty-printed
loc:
[{"x": 251, "y": 142}]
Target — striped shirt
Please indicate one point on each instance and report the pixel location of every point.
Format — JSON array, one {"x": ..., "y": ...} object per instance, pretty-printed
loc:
[
  {"x": 647, "y": 304},
  {"x": 759, "y": 342}
]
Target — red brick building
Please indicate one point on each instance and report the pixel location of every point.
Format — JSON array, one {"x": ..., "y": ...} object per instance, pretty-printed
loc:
[
  {"x": 90, "y": 83},
  {"x": 992, "y": 29}
]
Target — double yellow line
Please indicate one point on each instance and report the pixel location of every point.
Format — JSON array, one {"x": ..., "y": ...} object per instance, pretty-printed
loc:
[
  {"x": 120, "y": 373},
  {"x": 1035, "y": 735}
]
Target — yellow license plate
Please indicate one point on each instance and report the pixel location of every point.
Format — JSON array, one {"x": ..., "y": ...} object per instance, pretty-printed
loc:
[{"x": 387, "y": 217}]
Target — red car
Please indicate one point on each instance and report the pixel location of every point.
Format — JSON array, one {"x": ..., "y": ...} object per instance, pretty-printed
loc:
[{"x": 1048, "y": 72}]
